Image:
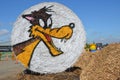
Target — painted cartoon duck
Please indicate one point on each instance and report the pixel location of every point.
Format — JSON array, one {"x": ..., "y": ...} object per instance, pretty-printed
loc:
[{"x": 38, "y": 33}]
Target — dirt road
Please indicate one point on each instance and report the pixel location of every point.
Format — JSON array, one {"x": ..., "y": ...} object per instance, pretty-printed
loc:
[{"x": 9, "y": 70}]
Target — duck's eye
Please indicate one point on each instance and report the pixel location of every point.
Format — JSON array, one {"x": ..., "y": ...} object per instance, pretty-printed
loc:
[
  {"x": 41, "y": 22},
  {"x": 49, "y": 22}
]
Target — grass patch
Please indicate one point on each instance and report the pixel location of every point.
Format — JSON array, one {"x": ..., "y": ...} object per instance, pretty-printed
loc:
[{"x": 4, "y": 54}]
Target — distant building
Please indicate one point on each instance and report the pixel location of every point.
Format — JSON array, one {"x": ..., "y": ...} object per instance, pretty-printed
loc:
[
  {"x": 5, "y": 48},
  {"x": 99, "y": 45}
]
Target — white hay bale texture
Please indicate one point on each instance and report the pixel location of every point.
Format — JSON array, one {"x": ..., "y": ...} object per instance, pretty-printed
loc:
[{"x": 41, "y": 60}]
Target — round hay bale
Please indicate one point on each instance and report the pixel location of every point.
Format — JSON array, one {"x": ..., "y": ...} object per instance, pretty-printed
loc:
[{"x": 48, "y": 38}]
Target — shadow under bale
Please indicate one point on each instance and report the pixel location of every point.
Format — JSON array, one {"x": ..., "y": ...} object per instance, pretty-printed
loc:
[
  {"x": 72, "y": 69},
  {"x": 71, "y": 73},
  {"x": 27, "y": 71}
]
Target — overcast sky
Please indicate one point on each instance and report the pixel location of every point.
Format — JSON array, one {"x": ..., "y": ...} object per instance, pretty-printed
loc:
[{"x": 101, "y": 18}]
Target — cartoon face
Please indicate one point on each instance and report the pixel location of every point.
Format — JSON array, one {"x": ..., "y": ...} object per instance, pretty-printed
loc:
[{"x": 44, "y": 45}]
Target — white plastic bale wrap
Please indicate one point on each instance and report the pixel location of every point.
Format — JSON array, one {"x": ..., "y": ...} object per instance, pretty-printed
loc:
[{"x": 42, "y": 61}]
